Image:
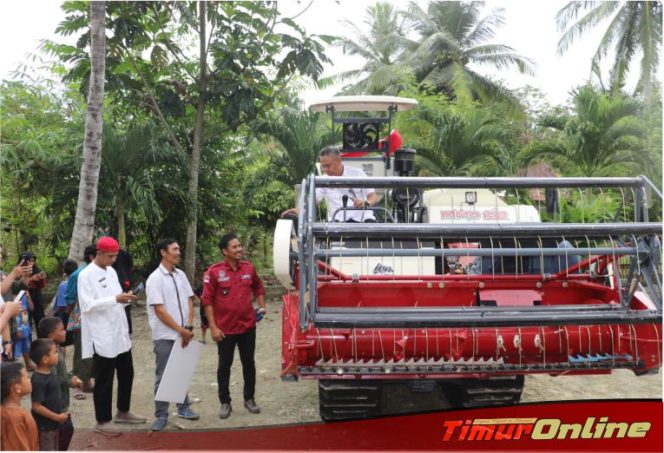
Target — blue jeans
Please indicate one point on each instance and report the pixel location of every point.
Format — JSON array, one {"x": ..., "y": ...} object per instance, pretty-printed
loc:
[{"x": 162, "y": 350}]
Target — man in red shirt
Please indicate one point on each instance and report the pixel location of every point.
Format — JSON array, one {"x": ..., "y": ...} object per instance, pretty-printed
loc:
[{"x": 227, "y": 290}]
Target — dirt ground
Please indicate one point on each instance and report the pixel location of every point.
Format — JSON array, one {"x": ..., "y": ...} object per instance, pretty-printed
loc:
[{"x": 295, "y": 402}]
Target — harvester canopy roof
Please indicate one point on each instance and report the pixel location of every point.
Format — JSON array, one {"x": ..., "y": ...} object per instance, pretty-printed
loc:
[{"x": 364, "y": 104}]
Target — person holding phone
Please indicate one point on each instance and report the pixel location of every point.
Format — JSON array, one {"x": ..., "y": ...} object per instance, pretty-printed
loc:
[
  {"x": 170, "y": 302},
  {"x": 105, "y": 336},
  {"x": 34, "y": 284}
]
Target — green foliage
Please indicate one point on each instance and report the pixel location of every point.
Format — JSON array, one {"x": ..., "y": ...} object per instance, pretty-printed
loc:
[
  {"x": 455, "y": 140},
  {"x": 604, "y": 135},
  {"x": 301, "y": 135},
  {"x": 40, "y": 147},
  {"x": 381, "y": 43},
  {"x": 635, "y": 29},
  {"x": 451, "y": 36}
]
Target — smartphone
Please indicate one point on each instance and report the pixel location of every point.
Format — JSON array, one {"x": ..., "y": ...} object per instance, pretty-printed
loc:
[{"x": 138, "y": 289}]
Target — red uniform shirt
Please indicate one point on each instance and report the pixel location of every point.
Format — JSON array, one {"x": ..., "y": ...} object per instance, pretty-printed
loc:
[{"x": 229, "y": 292}]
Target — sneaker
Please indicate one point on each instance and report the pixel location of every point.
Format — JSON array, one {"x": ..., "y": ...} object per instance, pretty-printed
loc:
[
  {"x": 252, "y": 406},
  {"x": 128, "y": 417},
  {"x": 225, "y": 411},
  {"x": 159, "y": 424},
  {"x": 188, "y": 414},
  {"x": 107, "y": 429}
]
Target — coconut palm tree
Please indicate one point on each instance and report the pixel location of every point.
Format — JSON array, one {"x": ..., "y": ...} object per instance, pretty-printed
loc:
[
  {"x": 464, "y": 142},
  {"x": 452, "y": 35},
  {"x": 87, "y": 193},
  {"x": 635, "y": 28},
  {"x": 380, "y": 43},
  {"x": 603, "y": 137}
]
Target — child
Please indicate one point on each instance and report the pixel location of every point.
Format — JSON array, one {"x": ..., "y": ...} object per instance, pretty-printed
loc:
[
  {"x": 198, "y": 291},
  {"x": 46, "y": 394},
  {"x": 18, "y": 430},
  {"x": 21, "y": 333},
  {"x": 60, "y": 307},
  {"x": 53, "y": 329}
]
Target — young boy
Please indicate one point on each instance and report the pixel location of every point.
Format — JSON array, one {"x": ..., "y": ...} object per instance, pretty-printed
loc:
[
  {"x": 46, "y": 394},
  {"x": 53, "y": 329},
  {"x": 18, "y": 430}
]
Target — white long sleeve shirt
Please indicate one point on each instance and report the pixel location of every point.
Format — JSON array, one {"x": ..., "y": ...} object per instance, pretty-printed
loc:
[{"x": 104, "y": 328}]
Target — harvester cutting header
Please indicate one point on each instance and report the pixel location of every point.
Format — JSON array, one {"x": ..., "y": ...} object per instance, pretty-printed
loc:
[{"x": 467, "y": 283}]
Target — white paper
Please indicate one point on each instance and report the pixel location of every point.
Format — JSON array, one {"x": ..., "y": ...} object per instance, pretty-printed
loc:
[{"x": 179, "y": 371}]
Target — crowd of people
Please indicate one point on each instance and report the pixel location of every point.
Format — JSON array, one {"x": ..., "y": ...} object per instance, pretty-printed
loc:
[{"x": 89, "y": 313}]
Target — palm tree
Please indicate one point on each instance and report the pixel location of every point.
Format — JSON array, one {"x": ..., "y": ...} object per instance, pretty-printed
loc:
[
  {"x": 465, "y": 142},
  {"x": 301, "y": 135},
  {"x": 380, "y": 43},
  {"x": 602, "y": 138},
  {"x": 87, "y": 192},
  {"x": 128, "y": 175},
  {"x": 452, "y": 36},
  {"x": 635, "y": 28}
]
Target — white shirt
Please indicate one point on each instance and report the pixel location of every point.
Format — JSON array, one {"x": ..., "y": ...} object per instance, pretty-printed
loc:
[
  {"x": 160, "y": 290},
  {"x": 104, "y": 328},
  {"x": 334, "y": 198}
]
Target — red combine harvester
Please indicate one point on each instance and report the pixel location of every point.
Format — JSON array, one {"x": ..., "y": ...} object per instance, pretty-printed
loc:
[{"x": 464, "y": 283}]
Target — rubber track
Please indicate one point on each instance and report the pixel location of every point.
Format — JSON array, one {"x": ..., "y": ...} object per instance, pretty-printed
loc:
[
  {"x": 470, "y": 393},
  {"x": 341, "y": 400}
]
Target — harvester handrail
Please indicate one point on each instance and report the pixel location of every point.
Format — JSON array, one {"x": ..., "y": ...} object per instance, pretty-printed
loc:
[
  {"x": 476, "y": 182},
  {"x": 531, "y": 229},
  {"x": 581, "y": 251}
]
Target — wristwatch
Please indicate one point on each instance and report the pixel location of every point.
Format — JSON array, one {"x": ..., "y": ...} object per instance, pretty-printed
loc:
[
  {"x": 6, "y": 342},
  {"x": 189, "y": 328}
]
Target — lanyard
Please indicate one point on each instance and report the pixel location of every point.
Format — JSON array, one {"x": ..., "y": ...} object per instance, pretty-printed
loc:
[{"x": 178, "y": 296}]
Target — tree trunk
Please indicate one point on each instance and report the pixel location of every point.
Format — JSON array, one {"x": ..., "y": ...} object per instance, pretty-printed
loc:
[
  {"x": 190, "y": 246},
  {"x": 122, "y": 232},
  {"x": 87, "y": 188}
]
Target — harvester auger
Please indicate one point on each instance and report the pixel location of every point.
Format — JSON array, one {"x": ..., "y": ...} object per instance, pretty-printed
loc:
[{"x": 472, "y": 293}]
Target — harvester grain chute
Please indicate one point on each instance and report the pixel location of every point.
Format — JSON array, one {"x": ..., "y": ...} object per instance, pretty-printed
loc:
[{"x": 466, "y": 283}]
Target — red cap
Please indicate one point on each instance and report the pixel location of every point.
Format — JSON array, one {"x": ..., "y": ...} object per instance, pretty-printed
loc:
[{"x": 107, "y": 244}]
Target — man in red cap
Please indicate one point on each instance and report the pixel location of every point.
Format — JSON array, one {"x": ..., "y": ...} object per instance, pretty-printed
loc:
[{"x": 105, "y": 335}]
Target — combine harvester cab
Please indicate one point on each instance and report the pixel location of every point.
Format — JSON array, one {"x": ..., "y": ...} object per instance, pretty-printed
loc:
[{"x": 456, "y": 287}]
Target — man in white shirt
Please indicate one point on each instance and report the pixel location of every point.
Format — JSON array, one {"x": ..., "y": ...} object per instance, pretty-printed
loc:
[
  {"x": 170, "y": 313},
  {"x": 331, "y": 165},
  {"x": 105, "y": 335}
]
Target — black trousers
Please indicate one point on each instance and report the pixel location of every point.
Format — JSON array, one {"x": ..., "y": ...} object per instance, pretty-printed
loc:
[
  {"x": 65, "y": 435},
  {"x": 246, "y": 344},
  {"x": 104, "y": 371}
]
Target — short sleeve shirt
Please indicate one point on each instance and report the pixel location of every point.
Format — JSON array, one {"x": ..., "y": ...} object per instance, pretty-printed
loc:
[
  {"x": 229, "y": 292},
  {"x": 46, "y": 390},
  {"x": 171, "y": 289},
  {"x": 334, "y": 198}
]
